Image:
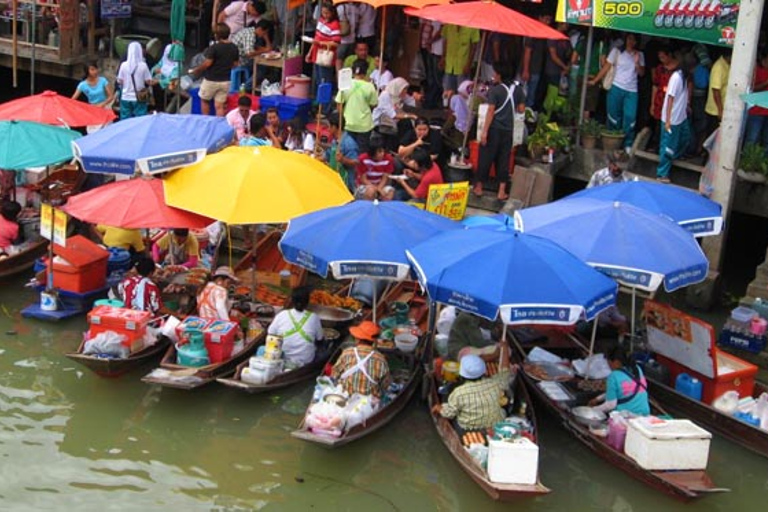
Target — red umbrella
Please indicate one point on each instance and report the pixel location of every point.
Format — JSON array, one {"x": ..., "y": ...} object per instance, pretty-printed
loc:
[
  {"x": 49, "y": 107},
  {"x": 487, "y": 15},
  {"x": 132, "y": 204}
]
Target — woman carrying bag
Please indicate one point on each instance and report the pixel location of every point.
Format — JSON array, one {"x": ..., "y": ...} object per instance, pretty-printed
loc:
[{"x": 134, "y": 79}]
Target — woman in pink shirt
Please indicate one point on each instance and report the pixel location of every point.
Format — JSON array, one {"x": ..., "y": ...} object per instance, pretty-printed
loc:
[{"x": 9, "y": 228}]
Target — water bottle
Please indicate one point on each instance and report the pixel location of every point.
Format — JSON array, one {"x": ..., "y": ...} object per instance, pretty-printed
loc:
[{"x": 242, "y": 89}]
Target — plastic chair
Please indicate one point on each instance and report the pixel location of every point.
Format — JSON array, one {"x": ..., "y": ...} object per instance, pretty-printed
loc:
[{"x": 239, "y": 76}]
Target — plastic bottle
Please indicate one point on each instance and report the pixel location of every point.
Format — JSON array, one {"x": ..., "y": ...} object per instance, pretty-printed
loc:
[{"x": 242, "y": 89}]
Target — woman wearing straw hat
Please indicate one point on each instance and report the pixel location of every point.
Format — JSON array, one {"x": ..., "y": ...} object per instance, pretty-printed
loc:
[
  {"x": 362, "y": 369},
  {"x": 213, "y": 301}
]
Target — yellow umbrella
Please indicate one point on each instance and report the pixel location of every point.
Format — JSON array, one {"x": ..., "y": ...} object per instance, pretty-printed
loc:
[{"x": 255, "y": 185}]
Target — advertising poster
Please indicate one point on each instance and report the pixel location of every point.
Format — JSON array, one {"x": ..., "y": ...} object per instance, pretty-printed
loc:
[
  {"x": 448, "y": 200},
  {"x": 53, "y": 220},
  {"x": 704, "y": 21}
]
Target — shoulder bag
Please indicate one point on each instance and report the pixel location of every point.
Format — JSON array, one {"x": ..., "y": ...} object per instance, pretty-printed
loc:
[
  {"x": 609, "y": 76},
  {"x": 143, "y": 95}
]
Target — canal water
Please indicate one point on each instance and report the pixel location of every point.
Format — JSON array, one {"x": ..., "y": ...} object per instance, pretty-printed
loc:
[{"x": 69, "y": 439}]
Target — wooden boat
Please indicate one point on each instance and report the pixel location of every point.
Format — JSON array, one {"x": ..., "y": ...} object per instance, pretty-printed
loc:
[
  {"x": 307, "y": 372},
  {"x": 269, "y": 263},
  {"x": 451, "y": 440},
  {"x": 108, "y": 367},
  {"x": 185, "y": 377},
  {"x": 23, "y": 260},
  {"x": 402, "y": 292},
  {"x": 683, "y": 485},
  {"x": 742, "y": 433}
]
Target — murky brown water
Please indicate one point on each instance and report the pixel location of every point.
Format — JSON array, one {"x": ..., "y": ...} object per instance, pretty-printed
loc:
[{"x": 69, "y": 439}]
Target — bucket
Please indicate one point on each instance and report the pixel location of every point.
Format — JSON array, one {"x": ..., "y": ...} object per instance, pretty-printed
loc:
[
  {"x": 617, "y": 433},
  {"x": 273, "y": 347},
  {"x": 297, "y": 86},
  {"x": 450, "y": 371},
  {"x": 48, "y": 301}
]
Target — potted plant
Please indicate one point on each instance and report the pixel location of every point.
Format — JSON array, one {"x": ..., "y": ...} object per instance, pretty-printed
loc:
[
  {"x": 546, "y": 136},
  {"x": 611, "y": 139},
  {"x": 753, "y": 166},
  {"x": 590, "y": 131}
]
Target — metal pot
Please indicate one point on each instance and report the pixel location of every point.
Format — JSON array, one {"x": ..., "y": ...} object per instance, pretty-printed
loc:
[{"x": 589, "y": 416}]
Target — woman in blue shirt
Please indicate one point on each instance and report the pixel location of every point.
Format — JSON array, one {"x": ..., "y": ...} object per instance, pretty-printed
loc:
[
  {"x": 626, "y": 388},
  {"x": 95, "y": 87}
]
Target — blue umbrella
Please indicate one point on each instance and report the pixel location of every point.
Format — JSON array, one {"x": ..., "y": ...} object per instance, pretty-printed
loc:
[
  {"x": 637, "y": 248},
  {"x": 152, "y": 144},
  {"x": 496, "y": 220},
  {"x": 360, "y": 239},
  {"x": 525, "y": 278},
  {"x": 692, "y": 211}
]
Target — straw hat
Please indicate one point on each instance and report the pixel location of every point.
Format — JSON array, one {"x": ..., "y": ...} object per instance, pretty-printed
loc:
[
  {"x": 225, "y": 272},
  {"x": 365, "y": 331}
]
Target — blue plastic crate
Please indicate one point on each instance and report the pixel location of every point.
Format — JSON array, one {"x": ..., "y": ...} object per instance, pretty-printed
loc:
[
  {"x": 194, "y": 96},
  {"x": 288, "y": 107},
  {"x": 742, "y": 340}
]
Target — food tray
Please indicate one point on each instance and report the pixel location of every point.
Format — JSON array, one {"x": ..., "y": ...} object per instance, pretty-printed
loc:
[
  {"x": 556, "y": 391},
  {"x": 548, "y": 372}
]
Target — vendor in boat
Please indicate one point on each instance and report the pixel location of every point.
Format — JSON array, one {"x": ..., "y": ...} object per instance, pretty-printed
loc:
[
  {"x": 176, "y": 248},
  {"x": 9, "y": 227},
  {"x": 362, "y": 369},
  {"x": 299, "y": 328},
  {"x": 128, "y": 239},
  {"x": 139, "y": 292},
  {"x": 626, "y": 388},
  {"x": 213, "y": 301},
  {"x": 466, "y": 337},
  {"x": 477, "y": 402}
]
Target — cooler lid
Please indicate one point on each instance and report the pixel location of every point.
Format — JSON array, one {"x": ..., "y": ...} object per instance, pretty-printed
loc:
[
  {"x": 80, "y": 251},
  {"x": 655, "y": 428}
]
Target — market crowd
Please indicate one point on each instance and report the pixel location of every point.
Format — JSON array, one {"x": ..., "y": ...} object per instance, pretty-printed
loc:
[{"x": 390, "y": 134}]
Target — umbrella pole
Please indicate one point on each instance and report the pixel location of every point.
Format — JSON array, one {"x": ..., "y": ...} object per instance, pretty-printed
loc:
[
  {"x": 253, "y": 262},
  {"x": 585, "y": 80},
  {"x": 15, "y": 50},
  {"x": 592, "y": 340},
  {"x": 632, "y": 325},
  {"x": 382, "y": 41},
  {"x": 375, "y": 304},
  {"x": 34, "y": 49},
  {"x": 472, "y": 96}
]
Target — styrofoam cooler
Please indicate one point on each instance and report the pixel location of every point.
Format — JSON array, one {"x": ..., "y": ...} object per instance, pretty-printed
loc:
[
  {"x": 665, "y": 445},
  {"x": 515, "y": 462},
  {"x": 261, "y": 370}
]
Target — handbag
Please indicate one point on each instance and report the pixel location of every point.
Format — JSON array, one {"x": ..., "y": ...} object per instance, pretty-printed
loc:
[
  {"x": 324, "y": 57},
  {"x": 143, "y": 95},
  {"x": 608, "y": 78}
]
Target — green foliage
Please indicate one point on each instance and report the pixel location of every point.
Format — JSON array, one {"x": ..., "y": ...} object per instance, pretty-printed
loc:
[
  {"x": 591, "y": 127},
  {"x": 753, "y": 159},
  {"x": 547, "y": 136}
]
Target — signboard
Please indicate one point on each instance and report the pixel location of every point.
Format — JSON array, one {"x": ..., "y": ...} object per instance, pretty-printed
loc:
[
  {"x": 53, "y": 221},
  {"x": 345, "y": 79},
  {"x": 709, "y": 22},
  {"x": 115, "y": 9},
  {"x": 682, "y": 338},
  {"x": 448, "y": 200},
  {"x": 372, "y": 269}
]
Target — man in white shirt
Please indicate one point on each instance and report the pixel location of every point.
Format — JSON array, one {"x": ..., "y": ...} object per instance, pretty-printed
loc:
[
  {"x": 299, "y": 328},
  {"x": 239, "y": 118},
  {"x": 675, "y": 131},
  {"x": 613, "y": 173}
]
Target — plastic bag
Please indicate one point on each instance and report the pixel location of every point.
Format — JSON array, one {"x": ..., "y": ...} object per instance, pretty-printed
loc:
[
  {"x": 593, "y": 367},
  {"x": 107, "y": 343},
  {"x": 326, "y": 386},
  {"x": 479, "y": 452},
  {"x": 359, "y": 408},
  {"x": 446, "y": 319},
  {"x": 539, "y": 355},
  {"x": 727, "y": 402},
  {"x": 326, "y": 418}
]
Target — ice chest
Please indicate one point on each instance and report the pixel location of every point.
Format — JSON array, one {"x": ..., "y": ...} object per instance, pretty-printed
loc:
[
  {"x": 515, "y": 462},
  {"x": 128, "y": 322},
  {"x": 287, "y": 106},
  {"x": 220, "y": 339},
  {"x": 667, "y": 445},
  {"x": 80, "y": 267}
]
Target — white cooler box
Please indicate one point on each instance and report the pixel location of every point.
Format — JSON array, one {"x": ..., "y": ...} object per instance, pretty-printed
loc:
[
  {"x": 667, "y": 445},
  {"x": 515, "y": 462}
]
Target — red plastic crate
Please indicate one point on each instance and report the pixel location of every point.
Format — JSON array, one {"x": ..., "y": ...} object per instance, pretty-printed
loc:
[{"x": 220, "y": 337}]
